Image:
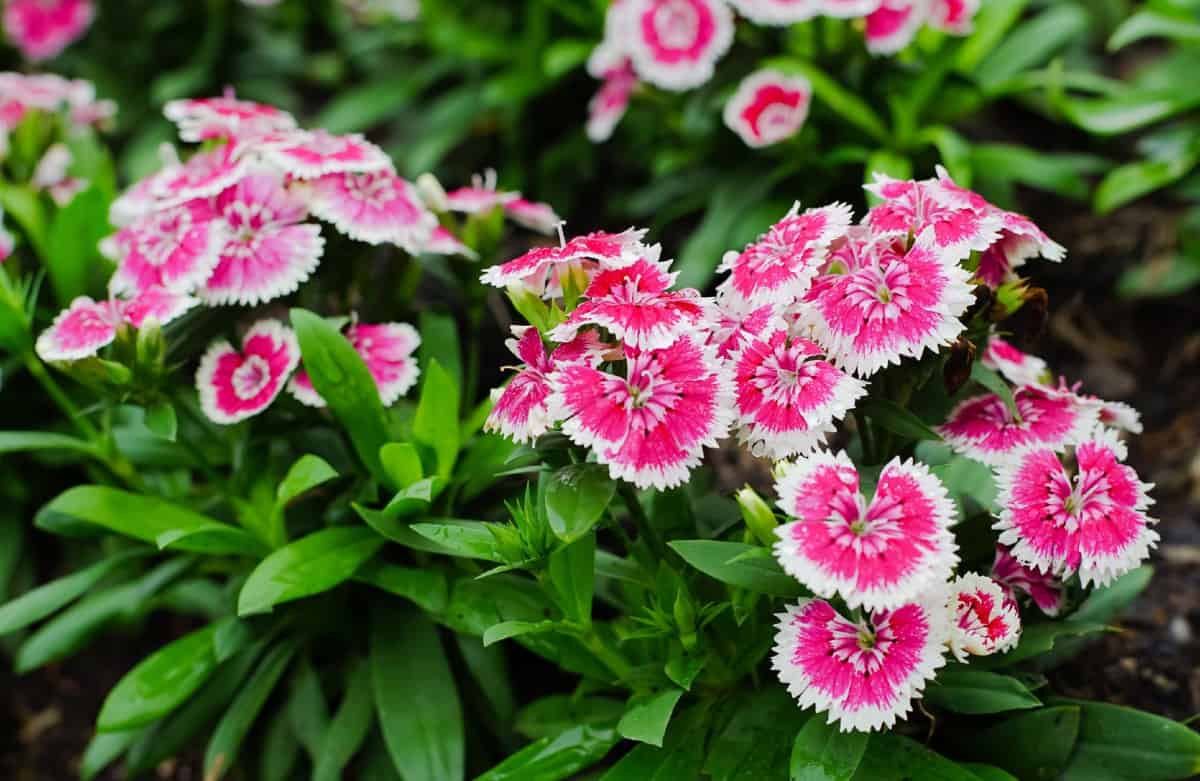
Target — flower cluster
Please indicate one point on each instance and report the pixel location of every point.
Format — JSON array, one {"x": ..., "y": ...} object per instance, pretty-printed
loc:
[
  {"x": 675, "y": 45},
  {"x": 645, "y": 376},
  {"x": 41, "y": 29},
  {"x": 21, "y": 95}
]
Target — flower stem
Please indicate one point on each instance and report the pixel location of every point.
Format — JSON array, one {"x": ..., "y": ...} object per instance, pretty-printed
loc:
[
  {"x": 865, "y": 436},
  {"x": 60, "y": 398},
  {"x": 641, "y": 520}
]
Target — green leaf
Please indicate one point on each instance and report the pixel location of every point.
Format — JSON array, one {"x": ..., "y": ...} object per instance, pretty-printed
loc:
[
  {"x": 427, "y": 588},
  {"x": 439, "y": 342},
  {"x": 576, "y": 497},
  {"x": 307, "y": 711},
  {"x": 572, "y": 573},
  {"x": 415, "y": 696},
  {"x": 822, "y": 752},
  {"x": 509, "y": 629},
  {"x": 996, "y": 384},
  {"x": 342, "y": 379},
  {"x": 993, "y": 20},
  {"x": 758, "y": 573},
  {"x": 1131, "y": 109},
  {"x": 305, "y": 474},
  {"x": 349, "y": 727},
  {"x": 1062, "y": 174},
  {"x": 308, "y": 566},
  {"x": 20, "y": 441},
  {"x": 160, "y": 420},
  {"x": 730, "y": 207},
  {"x": 892, "y": 757},
  {"x": 1133, "y": 180},
  {"x": 402, "y": 463},
  {"x": 72, "y": 257},
  {"x": 885, "y": 161},
  {"x": 978, "y": 691},
  {"x": 436, "y": 422},
  {"x": 1033, "y": 745},
  {"x": 233, "y": 727},
  {"x": 218, "y": 539},
  {"x": 489, "y": 669},
  {"x": 33, "y": 606},
  {"x": 756, "y": 741},
  {"x": 647, "y": 721},
  {"x": 469, "y": 539},
  {"x": 1038, "y": 639},
  {"x": 1150, "y": 23},
  {"x": 897, "y": 419},
  {"x": 1123, "y": 744},
  {"x": 280, "y": 750},
  {"x": 103, "y": 749},
  {"x": 954, "y": 150},
  {"x": 1031, "y": 44},
  {"x": 1160, "y": 277},
  {"x": 964, "y": 477},
  {"x": 557, "y": 713},
  {"x": 555, "y": 758},
  {"x": 1105, "y": 603},
  {"x": 160, "y": 682}
]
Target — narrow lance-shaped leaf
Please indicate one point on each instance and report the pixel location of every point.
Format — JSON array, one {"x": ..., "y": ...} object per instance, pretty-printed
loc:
[{"x": 308, "y": 566}]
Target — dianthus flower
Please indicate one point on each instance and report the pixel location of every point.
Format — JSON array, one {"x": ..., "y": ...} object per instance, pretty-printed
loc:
[
  {"x": 21, "y": 93},
  {"x": 1019, "y": 368},
  {"x": 768, "y": 107},
  {"x": 912, "y": 207},
  {"x": 373, "y": 207},
  {"x": 985, "y": 429},
  {"x": 983, "y": 620},
  {"x": 788, "y": 396},
  {"x": 1088, "y": 518},
  {"x": 779, "y": 13},
  {"x": 534, "y": 215},
  {"x": 202, "y": 119},
  {"x": 176, "y": 248},
  {"x": 610, "y": 102},
  {"x": 735, "y": 323},
  {"x": 386, "y": 348},
  {"x": 674, "y": 44},
  {"x": 876, "y": 554},
  {"x": 541, "y": 269},
  {"x": 442, "y": 242},
  {"x": 893, "y": 24},
  {"x": 41, "y": 29},
  {"x": 237, "y": 385},
  {"x": 650, "y": 422},
  {"x": 1046, "y": 591},
  {"x": 480, "y": 196},
  {"x": 84, "y": 327},
  {"x": 863, "y": 674}
]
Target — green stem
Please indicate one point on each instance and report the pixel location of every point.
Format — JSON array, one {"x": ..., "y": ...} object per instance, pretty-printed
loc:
[
  {"x": 865, "y": 436},
  {"x": 641, "y": 520},
  {"x": 60, "y": 398},
  {"x": 611, "y": 657}
]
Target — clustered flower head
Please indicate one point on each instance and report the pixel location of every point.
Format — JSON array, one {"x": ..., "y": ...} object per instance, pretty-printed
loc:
[
  {"x": 41, "y": 29},
  {"x": 75, "y": 99},
  {"x": 645, "y": 376},
  {"x": 675, "y": 45}
]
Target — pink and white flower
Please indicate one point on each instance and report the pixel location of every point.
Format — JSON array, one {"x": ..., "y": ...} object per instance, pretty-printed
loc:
[
  {"x": 612, "y": 53},
  {"x": 635, "y": 304},
  {"x": 768, "y": 107},
  {"x": 863, "y": 674},
  {"x": 781, "y": 264},
  {"x": 610, "y": 102},
  {"x": 374, "y": 207},
  {"x": 788, "y": 396},
  {"x": 651, "y": 425},
  {"x": 175, "y": 248},
  {"x": 41, "y": 29},
  {"x": 309, "y": 154},
  {"x": 953, "y": 16},
  {"x": 875, "y": 554},
  {"x": 534, "y": 215},
  {"x": 204, "y": 175},
  {"x": 899, "y": 305},
  {"x": 237, "y": 385},
  {"x": 52, "y": 175},
  {"x": 86, "y": 326},
  {"x": 674, "y": 44},
  {"x": 386, "y": 348},
  {"x": 202, "y": 119},
  {"x": 1089, "y": 518},
  {"x": 539, "y": 269},
  {"x": 735, "y": 323},
  {"x": 985, "y": 429},
  {"x": 269, "y": 252},
  {"x": 779, "y": 13},
  {"x": 849, "y": 9},
  {"x": 1046, "y": 591},
  {"x": 442, "y": 242},
  {"x": 911, "y": 207},
  {"x": 479, "y": 197},
  {"x": 1119, "y": 415},
  {"x": 1019, "y": 368},
  {"x": 983, "y": 620},
  {"x": 894, "y": 24}
]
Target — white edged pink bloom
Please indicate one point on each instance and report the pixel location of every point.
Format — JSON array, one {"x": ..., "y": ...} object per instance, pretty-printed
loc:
[
  {"x": 953, "y": 16},
  {"x": 175, "y": 248},
  {"x": 204, "y": 175},
  {"x": 607, "y": 107},
  {"x": 983, "y": 619},
  {"x": 779, "y": 13},
  {"x": 309, "y": 154},
  {"x": 442, "y": 242},
  {"x": 650, "y": 421},
  {"x": 675, "y": 44},
  {"x": 1088, "y": 517},
  {"x": 534, "y": 215},
  {"x": 768, "y": 107},
  {"x": 234, "y": 385},
  {"x": 612, "y": 53},
  {"x": 374, "y": 208},
  {"x": 911, "y": 207},
  {"x": 541, "y": 269},
  {"x": 781, "y": 264},
  {"x": 202, "y": 119},
  {"x": 985, "y": 429},
  {"x": 1019, "y": 368},
  {"x": 386, "y": 348},
  {"x": 735, "y": 323},
  {"x": 1046, "y": 591},
  {"x": 86, "y": 326},
  {"x": 862, "y": 674},
  {"x": 788, "y": 396},
  {"x": 269, "y": 250},
  {"x": 893, "y": 25},
  {"x": 877, "y": 553},
  {"x": 41, "y": 29},
  {"x": 636, "y": 305},
  {"x": 480, "y": 196},
  {"x": 896, "y": 306},
  {"x": 849, "y": 9}
]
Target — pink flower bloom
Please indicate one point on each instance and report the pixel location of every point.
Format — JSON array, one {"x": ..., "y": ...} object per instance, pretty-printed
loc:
[
  {"x": 1017, "y": 367},
  {"x": 387, "y": 349},
  {"x": 674, "y": 44},
  {"x": 910, "y": 207},
  {"x": 876, "y": 554},
  {"x": 864, "y": 674},
  {"x": 768, "y": 107},
  {"x": 143, "y": 197},
  {"x": 897, "y": 306},
  {"x": 20, "y": 94},
  {"x": 443, "y": 242},
  {"x": 41, "y": 29},
  {"x": 201, "y": 119},
  {"x": 612, "y": 53},
  {"x": 175, "y": 248},
  {"x": 651, "y": 425},
  {"x": 539, "y": 268},
  {"x": 268, "y": 252},
  {"x": 480, "y": 196},
  {"x": 634, "y": 303},
  {"x": 534, "y": 215},
  {"x": 1047, "y": 591},
  {"x": 849, "y": 9},
  {"x": 984, "y": 429},
  {"x": 236, "y": 385},
  {"x": 736, "y": 323},
  {"x": 309, "y": 154},
  {"x": 609, "y": 104},
  {"x": 893, "y": 25},
  {"x": 780, "y": 265},
  {"x": 374, "y": 207},
  {"x": 983, "y": 620},
  {"x": 1119, "y": 415},
  {"x": 204, "y": 175},
  {"x": 1089, "y": 519},
  {"x": 788, "y": 396},
  {"x": 779, "y": 13},
  {"x": 953, "y": 16},
  {"x": 83, "y": 328}
]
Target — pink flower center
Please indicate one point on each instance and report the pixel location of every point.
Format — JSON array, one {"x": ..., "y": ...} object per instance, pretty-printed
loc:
[
  {"x": 861, "y": 645},
  {"x": 784, "y": 376},
  {"x": 251, "y": 377},
  {"x": 976, "y": 617}
]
